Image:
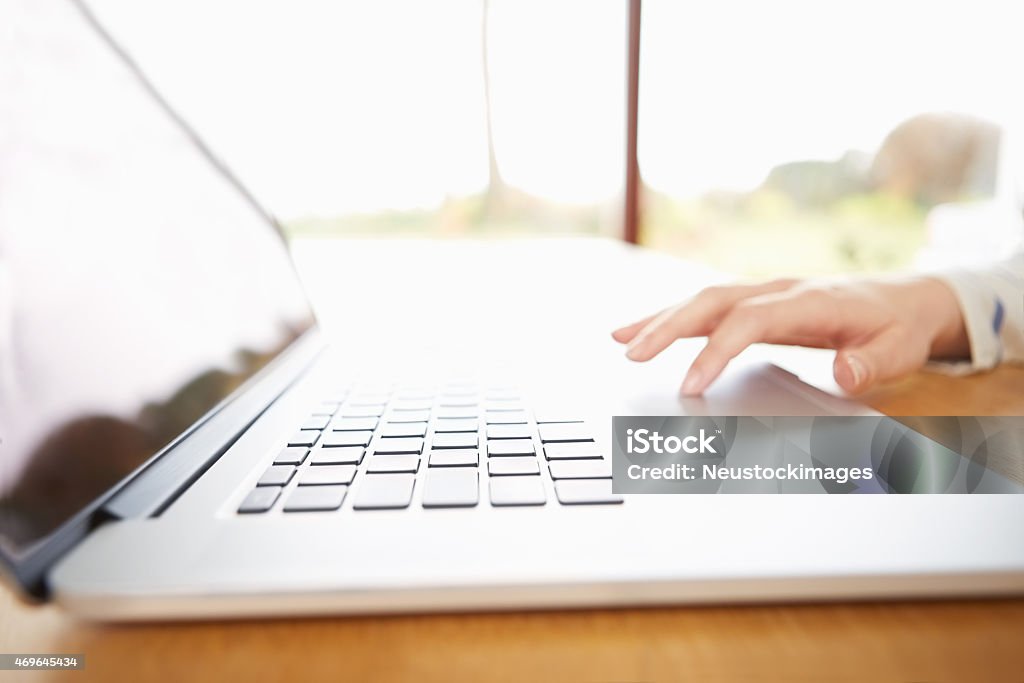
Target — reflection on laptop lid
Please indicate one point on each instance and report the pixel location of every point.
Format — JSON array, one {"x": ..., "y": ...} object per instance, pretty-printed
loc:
[{"x": 139, "y": 284}]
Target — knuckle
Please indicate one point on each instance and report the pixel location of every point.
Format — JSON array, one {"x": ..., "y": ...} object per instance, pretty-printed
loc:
[
  {"x": 749, "y": 315},
  {"x": 783, "y": 283},
  {"x": 822, "y": 302},
  {"x": 816, "y": 296},
  {"x": 712, "y": 294}
]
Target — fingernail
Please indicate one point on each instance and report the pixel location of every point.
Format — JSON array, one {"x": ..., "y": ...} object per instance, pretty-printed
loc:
[
  {"x": 634, "y": 348},
  {"x": 858, "y": 372},
  {"x": 692, "y": 383}
]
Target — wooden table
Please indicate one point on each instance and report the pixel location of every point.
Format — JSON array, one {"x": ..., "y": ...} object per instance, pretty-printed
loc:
[{"x": 971, "y": 641}]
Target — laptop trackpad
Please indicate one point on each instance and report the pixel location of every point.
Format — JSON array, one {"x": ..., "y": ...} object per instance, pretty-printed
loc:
[{"x": 759, "y": 388}]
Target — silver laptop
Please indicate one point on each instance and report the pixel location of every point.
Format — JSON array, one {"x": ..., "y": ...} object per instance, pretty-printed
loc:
[{"x": 177, "y": 442}]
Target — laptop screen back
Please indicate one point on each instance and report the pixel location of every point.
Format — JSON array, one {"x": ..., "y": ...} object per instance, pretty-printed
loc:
[{"x": 138, "y": 285}]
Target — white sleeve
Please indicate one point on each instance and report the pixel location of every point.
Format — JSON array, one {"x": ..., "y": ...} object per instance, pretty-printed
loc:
[{"x": 992, "y": 304}]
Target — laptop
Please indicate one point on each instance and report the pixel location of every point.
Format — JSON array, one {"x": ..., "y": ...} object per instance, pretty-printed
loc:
[{"x": 178, "y": 440}]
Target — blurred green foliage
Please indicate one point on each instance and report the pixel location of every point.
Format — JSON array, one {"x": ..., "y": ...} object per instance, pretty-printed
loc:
[
  {"x": 760, "y": 233},
  {"x": 765, "y": 233}
]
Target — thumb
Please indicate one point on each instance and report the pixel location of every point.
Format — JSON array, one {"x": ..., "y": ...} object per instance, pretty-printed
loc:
[{"x": 889, "y": 354}]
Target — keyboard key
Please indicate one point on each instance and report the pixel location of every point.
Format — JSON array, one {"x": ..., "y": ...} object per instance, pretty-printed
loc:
[
  {"x": 362, "y": 411},
  {"x": 459, "y": 398},
  {"x": 336, "y": 397},
  {"x": 398, "y": 446},
  {"x": 576, "y": 450},
  {"x": 335, "y": 439},
  {"x": 456, "y": 457},
  {"x": 467, "y": 413},
  {"x": 465, "y": 401},
  {"x": 461, "y": 385},
  {"x": 561, "y": 432},
  {"x": 510, "y": 447},
  {"x": 354, "y": 424},
  {"x": 517, "y": 417},
  {"x": 580, "y": 469},
  {"x": 293, "y": 455},
  {"x": 316, "y": 422},
  {"x": 328, "y": 474},
  {"x": 499, "y": 396},
  {"x": 500, "y": 467},
  {"x": 503, "y": 407},
  {"x": 454, "y": 440},
  {"x": 326, "y": 408},
  {"x": 385, "y": 464},
  {"x": 411, "y": 405},
  {"x": 260, "y": 499},
  {"x": 304, "y": 437},
  {"x": 403, "y": 429},
  {"x": 421, "y": 394},
  {"x": 447, "y": 488},
  {"x": 509, "y": 432},
  {"x": 508, "y": 491},
  {"x": 586, "y": 492},
  {"x": 384, "y": 491},
  {"x": 551, "y": 417},
  {"x": 315, "y": 498},
  {"x": 368, "y": 400},
  {"x": 276, "y": 475},
  {"x": 445, "y": 426},
  {"x": 345, "y": 455},
  {"x": 410, "y": 416}
]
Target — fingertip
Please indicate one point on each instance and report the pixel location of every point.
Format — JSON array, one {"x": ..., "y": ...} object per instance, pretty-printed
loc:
[
  {"x": 643, "y": 348},
  {"x": 693, "y": 384},
  {"x": 636, "y": 353},
  {"x": 621, "y": 335},
  {"x": 850, "y": 372},
  {"x": 628, "y": 333}
]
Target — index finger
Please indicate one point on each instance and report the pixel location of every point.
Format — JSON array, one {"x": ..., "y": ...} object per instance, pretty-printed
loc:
[
  {"x": 695, "y": 317},
  {"x": 771, "y": 318}
]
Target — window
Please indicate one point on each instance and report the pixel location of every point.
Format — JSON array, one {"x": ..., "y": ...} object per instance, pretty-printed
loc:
[
  {"x": 375, "y": 118},
  {"x": 812, "y": 138}
]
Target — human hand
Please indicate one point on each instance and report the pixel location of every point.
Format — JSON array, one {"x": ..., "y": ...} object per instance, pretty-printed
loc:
[{"x": 880, "y": 329}]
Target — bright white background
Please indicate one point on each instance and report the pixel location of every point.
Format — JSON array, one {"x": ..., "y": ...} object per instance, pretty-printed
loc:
[{"x": 337, "y": 107}]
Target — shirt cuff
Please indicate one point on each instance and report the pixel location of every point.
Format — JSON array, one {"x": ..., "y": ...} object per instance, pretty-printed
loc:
[{"x": 983, "y": 313}]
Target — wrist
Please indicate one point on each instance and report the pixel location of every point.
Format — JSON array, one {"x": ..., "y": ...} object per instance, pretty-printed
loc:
[{"x": 937, "y": 311}]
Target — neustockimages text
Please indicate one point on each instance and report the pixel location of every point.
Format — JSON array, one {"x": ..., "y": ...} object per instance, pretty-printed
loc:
[{"x": 644, "y": 441}]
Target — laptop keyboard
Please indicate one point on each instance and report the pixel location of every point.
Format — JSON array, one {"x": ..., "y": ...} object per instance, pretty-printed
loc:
[{"x": 461, "y": 447}]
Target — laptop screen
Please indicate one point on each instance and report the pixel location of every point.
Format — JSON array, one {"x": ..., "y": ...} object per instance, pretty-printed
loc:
[{"x": 138, "y": 285}]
